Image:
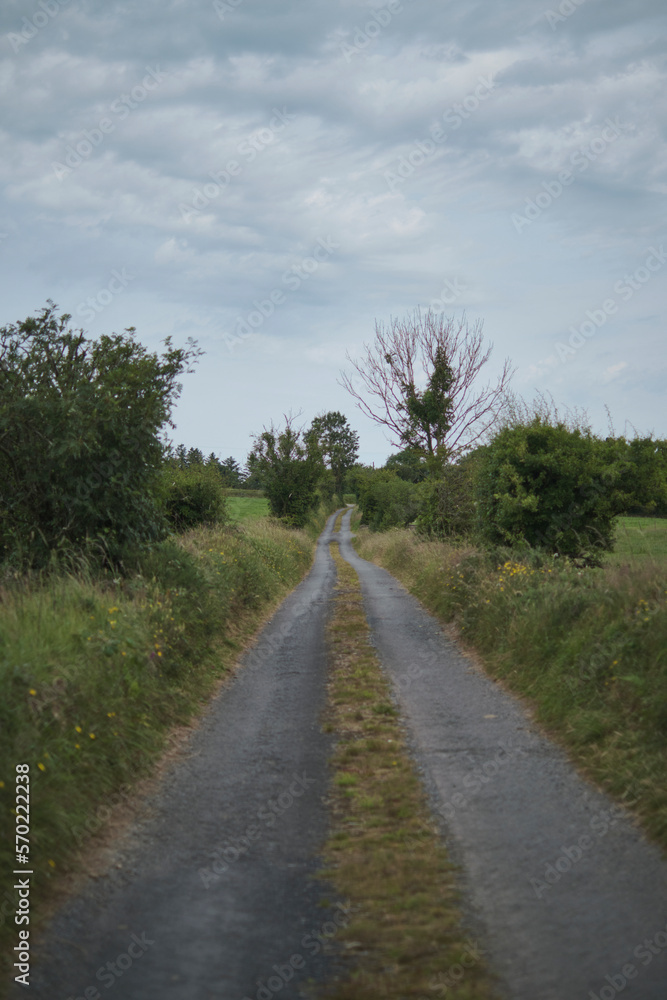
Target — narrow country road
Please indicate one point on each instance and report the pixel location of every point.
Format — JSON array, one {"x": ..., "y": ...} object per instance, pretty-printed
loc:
[
  {"x": 559, "y": 916},
  {"x": 212, "y": 896},
  {"x": 215, "y": 890}
]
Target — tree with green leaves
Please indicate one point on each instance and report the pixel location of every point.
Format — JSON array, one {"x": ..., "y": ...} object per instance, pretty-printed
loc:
[
  {"x": 408, "y": 464},
  {"x": 253, "y": 473},
  {"x": 338, "y": 445},
  {"x": 291, "y": 468},
  {"x": 230, "y": 470},
  {"x": 80, "y": 445},
  {"x": 420, "y": 380}
]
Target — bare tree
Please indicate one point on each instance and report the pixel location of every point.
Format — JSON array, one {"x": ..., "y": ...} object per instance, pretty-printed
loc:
[{"x": 452, "y": 412}]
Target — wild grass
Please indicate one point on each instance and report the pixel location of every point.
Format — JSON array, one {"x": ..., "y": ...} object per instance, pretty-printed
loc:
[
  {"x": 588, "y": 647},
  {"x": 384, "y": 855},
  {"x": 95, "y": 671}
]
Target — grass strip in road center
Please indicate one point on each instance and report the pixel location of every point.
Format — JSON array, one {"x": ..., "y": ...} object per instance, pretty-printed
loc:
[{"x": 384, "y": 853}]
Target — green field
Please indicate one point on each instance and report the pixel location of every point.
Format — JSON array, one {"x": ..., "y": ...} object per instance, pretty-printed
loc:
[
  {"x": 640, "y": 539},
  {"x": 247, "y": 508}
]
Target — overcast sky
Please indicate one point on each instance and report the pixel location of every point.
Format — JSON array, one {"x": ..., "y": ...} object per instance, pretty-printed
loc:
[{"x": 273, "y": 176}]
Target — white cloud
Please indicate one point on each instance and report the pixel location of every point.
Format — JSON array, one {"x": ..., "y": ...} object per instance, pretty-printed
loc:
[{"x": 323, "y": 173}]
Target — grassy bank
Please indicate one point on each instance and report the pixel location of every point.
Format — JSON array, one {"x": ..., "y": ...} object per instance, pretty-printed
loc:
[
  {"x": 588, "y": 647},
  {"x": 384, "y": 854},
  {"x": 96, "y": 671}
]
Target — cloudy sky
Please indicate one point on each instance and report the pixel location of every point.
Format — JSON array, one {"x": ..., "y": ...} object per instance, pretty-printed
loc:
[{"x": 273, "y": 176}]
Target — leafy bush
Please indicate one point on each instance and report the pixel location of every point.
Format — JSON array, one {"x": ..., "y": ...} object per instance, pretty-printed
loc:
[
  {"x": 386, "y": 501},
  {"x": 447, "y": 504},
  {"x": 548, "y": 487},
  {"x": 290, "y": 470},
  {"x": 641, "y": 465},
  {"x": 409, "y": 464},
  {"x": 80, "y": 453},
  {"x": 192, "y": 496}
]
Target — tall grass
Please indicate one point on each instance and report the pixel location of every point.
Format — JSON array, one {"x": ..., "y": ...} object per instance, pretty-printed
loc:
[
  {"x": 588, "y": 647},
  {"x": 95, "y": 671}
]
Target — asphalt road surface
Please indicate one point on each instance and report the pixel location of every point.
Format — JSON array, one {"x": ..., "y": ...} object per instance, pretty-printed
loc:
[
  {"x": 215, "y": 896},
  {"x": 212, "y": 896},
  {"x": 562, "y": 890}
]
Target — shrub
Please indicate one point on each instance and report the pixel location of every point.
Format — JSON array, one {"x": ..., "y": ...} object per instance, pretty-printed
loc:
[
  {"x": 193, "y": 496},
  {"x": 447, "y": 504},
  {"x": 386, "y": 501},
  {"x": 641, "y": 465},
  {"x": 546, "y": 486},
  {"x": 80, "y": 453},
  {"x": 291, "y": 470}
]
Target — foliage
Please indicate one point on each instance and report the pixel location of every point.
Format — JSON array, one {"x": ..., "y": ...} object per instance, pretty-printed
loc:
[
  {"x": 409, "y": 465},
  {"x": 193, "y": 496},
  {"x": 80, "y": 452},
  {"x": 190, "y": 456},
  {"x": 229, "y": 470},
  {"x": 546, "y": 486},
  {"x": 254, "y": 473},
  {"x": 291, "y": 469},
  {"x": 326, "y": 489},
  {"x": 356, "y": 476},
  {"x": 338, "y": 445},
  {"x": 386, "y": 501},
  {"x": 447, "y": 504},
  {"x": 427, "y": 413},
  {"x": 641, "y": 464},
  {"x": 452, "y": 412}
]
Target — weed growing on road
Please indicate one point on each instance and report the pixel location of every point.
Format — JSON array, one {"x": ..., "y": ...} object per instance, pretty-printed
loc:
[{"x": 384, "y": 853}]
